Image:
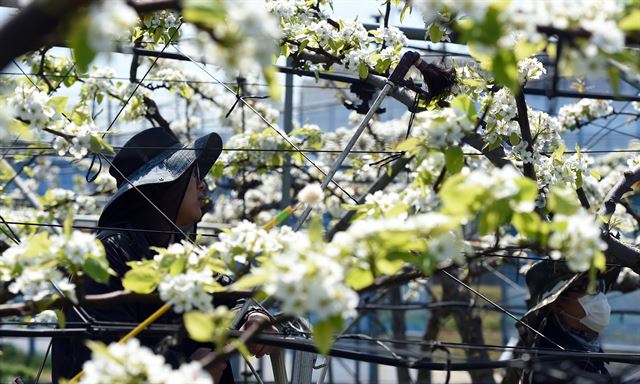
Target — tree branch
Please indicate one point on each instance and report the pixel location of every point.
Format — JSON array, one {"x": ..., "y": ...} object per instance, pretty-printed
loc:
[
  {"x": 525, "y": 130},
  {"x": 615, "y": 194},
  {"x": 102, "y": 300}
]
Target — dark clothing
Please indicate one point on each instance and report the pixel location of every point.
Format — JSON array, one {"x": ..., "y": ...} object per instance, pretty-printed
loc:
[
  {"x": 121, "y": 247},
  {"x": 559, "y": 370}
]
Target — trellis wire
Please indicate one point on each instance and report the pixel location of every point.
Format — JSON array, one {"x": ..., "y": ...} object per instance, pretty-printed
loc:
[{"x": 283, "y": 135}]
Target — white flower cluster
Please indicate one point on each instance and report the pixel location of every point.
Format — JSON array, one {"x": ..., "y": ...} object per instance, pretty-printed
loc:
[
  {"x": 105, "y": 183},
  {"x": 110, "y": 21},
  {"x": 163, "y": 19},
  {"x": 571, "y": 115},
  {"x": 30, "y": 267},
  {"x": 183, "y": 250},
  {"x": 98, "y": 81},
  {"x": 420, "y": 199},
  {"x": 79, "y": 144},
  {"x": 311, "y": 194},
  {"x": 442, "y": 127},
  {"x": 445, "y": 242},
  {"x": 546, "y": 129},
  {"x": 187, "y": 291},
  {"x": 31, "y": 105},
  {"x": 77, "y": 247},
  {"x": 475, "y": 10},
  {"x": 501, "y": 115},
  {"x": 380, "y": 203},
  {"x": 597, "y": 18},
  {"x": 47, "y": 316},
  {"x": 579, "y": 242},
  {"x": 501, "y": 183},
  {"x": 531, "y": 69},
  {"x": 59, "y": 197},
  {"x": 361, "y": 49},
  {"x": 253, "y": 32},
  {"x": 391, "y": 36},
  {"x": 307, "y": 280},
  {"x": 521, "y": 20},
  {"x": 285, "y": 8},
  {"x": 132, "y": 363},
  {"x": 183, "y": 126},
  {"x": 135, "y": 108},
  {"x": 243, "y": 242}
]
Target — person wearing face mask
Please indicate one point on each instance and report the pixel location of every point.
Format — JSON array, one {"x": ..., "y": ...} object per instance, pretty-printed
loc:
[{"x": 570, "y": 311}]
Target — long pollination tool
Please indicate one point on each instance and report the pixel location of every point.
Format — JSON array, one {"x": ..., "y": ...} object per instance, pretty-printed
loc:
[
  {"x": 408, "y": 60},
  {"x": 278, "y": 219}
]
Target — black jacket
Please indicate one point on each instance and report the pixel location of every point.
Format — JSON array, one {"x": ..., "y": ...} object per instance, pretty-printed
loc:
[{"x": 554, "y": 369}]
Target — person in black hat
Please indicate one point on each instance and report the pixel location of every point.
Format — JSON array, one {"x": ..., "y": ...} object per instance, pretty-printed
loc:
[
  {"x": 159, "y": 198},
  {"x": 569, "y": 311}
]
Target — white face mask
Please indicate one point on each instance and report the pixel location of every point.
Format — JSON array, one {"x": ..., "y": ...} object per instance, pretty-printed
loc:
[{"x": 597, "y": 310}]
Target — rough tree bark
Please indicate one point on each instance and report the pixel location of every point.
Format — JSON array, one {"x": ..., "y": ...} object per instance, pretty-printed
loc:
[
  {"x": 399, "y": 329},
  {"x": 469, "y": 325},
  {"x": 430, "y": 335}
]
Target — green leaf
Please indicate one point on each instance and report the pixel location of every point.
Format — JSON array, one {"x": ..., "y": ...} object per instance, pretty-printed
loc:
[
  {"x": 199, "y": 325},
  {"x": 62, "y": 320},
  {"x": 435, "y": 33},
  {"x": 204, "y": 12},
  {"x": 97, "y": 143},
  {"x": 363, "y": 70},
  {"x": 270, "y": 76},
  {"x": 454, "y": 159},
  {"x": 248, "y": 281},
  {"x": 323, "y": 335},
  {"x": 562, "y": 201},
  {"x": 20, "y": 129},
  {"x": 97, "y": 269},
  {"x": 141, "y": 280},
  {"x": 527, "y": 224},
  {"x": 408, "y": 144},
  {"x": 83, "y": 53},
  {"x": 177, "y": 266},
  {"x": 98, "y": 347},
  {"x": 304, "y": 44},
  {"x": 463, "y": 103},
  {"x": 494, "y": 216},
  {"x": 505, "y": 69},
  {"x": 595, "y": 174},
  {"x": 316, "y": 231},
  {"x": 407, "y": 7},
  {"x": 359, "y": 278},
  {"x": 614, "y": 79},
  {"x": 631, "y": 22},
  {"x": 58, "y": 103}
]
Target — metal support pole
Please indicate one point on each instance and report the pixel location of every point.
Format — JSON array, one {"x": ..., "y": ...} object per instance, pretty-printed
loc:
[
  {"x": 288, "y": 127},
  {"x": 279, "y": 367},
  {"x": 406, "y": 62},
  {"x": 343, "y": 155}
]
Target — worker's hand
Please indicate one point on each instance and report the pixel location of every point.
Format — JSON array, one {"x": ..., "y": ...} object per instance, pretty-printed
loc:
[
  {"x": 215, "y": 370},
  {"x": 259, "y": 350}
]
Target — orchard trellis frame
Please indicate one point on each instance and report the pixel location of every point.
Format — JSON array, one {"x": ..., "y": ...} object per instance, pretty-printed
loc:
[{"x": 618, "y": 252}]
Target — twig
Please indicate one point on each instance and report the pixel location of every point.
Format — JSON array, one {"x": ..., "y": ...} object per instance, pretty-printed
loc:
[{"x": 525, "y": 130}]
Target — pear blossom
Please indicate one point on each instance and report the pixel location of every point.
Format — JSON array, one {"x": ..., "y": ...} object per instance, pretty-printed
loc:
[
  {"x": 186, "y": 291},
  {"x": 131, "y": 363},
  {"x": 311, "y": 194}
]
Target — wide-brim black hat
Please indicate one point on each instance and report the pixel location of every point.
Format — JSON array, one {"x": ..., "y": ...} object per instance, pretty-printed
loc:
[
  {"x": 547, "y": 280},
  {"x": 156, "y": 156}
]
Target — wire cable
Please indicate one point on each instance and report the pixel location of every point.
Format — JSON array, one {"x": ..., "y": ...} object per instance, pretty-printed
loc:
[{"x": 283, "y": 135}]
